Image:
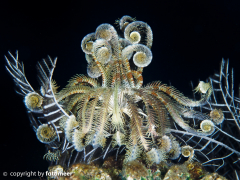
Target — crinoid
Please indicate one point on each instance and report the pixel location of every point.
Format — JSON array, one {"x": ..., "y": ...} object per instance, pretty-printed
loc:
[
  {"x": 111, "y": 109},
  {"x": 52, "y": 156}
]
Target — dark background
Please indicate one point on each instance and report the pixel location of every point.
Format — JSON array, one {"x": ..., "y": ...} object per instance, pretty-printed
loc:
[{"x": 189, "y": 40}]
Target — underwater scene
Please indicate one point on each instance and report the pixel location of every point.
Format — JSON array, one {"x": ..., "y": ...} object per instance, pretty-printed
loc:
[{"x": 109, "y": 125}]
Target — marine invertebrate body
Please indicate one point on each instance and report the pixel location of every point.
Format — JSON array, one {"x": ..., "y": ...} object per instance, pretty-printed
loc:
[
  {"x": 110, "y": 109},
  {"x": 52, "y": 156}
]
